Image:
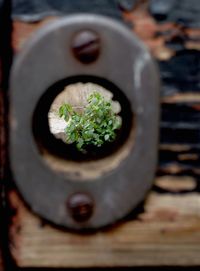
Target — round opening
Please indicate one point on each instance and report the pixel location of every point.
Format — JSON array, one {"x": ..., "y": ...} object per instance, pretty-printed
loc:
[
  {"x": 49, "y": 128},
  {"x": 93, "y": 112}
]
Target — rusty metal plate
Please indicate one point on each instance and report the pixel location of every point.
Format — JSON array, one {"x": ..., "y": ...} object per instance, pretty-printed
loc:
[{"x": 83, "y": 194}]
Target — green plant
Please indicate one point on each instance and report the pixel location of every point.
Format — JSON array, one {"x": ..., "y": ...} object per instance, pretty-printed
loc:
[{"x": 96, "y": 125}]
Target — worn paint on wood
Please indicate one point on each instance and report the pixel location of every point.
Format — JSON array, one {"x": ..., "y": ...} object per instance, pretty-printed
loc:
[{"x": 166, "y": 233}]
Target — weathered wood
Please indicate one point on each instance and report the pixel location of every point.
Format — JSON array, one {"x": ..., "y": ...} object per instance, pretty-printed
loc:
[
  {"x": 176, "y": 184},
  {"x": 167, "y": 233},
  {"x": 175, "y": 45},
  {"x": 22, "y": 31},
  {"x": 34, "y": 10}
]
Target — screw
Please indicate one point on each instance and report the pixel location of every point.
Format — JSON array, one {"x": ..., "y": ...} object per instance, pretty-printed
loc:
[
  {"x": 80, "y": 206},
  {"x": 86, "y": 46}
]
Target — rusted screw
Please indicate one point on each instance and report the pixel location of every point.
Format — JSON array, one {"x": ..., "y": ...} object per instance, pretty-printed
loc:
[
  {"x": 86, "y": 46},
  {"x": 80, "y": 206}
]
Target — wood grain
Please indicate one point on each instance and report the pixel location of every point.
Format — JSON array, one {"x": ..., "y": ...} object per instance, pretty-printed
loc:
[
  {"x": 22, "y": 31},
  {"x": 176, "y": 184},
  {"x": 166, "y": 233}
]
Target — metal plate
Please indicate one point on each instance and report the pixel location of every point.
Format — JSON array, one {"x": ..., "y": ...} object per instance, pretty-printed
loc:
[{"x": 45, "y": 181}]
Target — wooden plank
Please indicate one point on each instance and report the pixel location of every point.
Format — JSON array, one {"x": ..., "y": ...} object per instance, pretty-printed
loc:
[
  {"x": 22, "y": 31},
  {"x": 166, "y": 233},
  {"x": 156, "y": 35},
  {"x": 182, "y": 98},
  {"x": 176, "y": 184}
]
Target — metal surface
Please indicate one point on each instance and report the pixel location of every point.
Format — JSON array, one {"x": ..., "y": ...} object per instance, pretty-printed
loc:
[{"x": 118, "y": 182}]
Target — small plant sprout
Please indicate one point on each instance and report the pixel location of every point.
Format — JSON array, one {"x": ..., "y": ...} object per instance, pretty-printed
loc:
[{"x": 95, "y": 125}]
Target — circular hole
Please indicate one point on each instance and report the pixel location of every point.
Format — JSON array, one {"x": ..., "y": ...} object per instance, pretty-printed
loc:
[
  {"x": 76, "y": 95},
  {"x": 51, "y": 142}
]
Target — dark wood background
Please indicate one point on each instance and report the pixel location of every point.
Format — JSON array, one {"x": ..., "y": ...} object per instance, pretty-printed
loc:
[{"x": 166, "y": 230}]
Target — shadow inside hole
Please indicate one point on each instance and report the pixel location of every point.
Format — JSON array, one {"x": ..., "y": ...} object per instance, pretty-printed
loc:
[{"x": 47, "y": 142}]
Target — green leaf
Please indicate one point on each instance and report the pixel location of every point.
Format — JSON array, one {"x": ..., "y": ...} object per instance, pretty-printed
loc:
[
  {"x": 94, "y": 126},
  {"x": 106, "y": 137}
]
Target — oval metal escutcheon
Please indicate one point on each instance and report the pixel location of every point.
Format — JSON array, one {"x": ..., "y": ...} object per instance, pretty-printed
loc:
[{"x": 83, "y": 194}]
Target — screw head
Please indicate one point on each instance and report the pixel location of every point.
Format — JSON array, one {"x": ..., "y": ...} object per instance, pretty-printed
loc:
[
  {"x": 86, "y": 46},
  {"x": 80, "y": 207}
]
